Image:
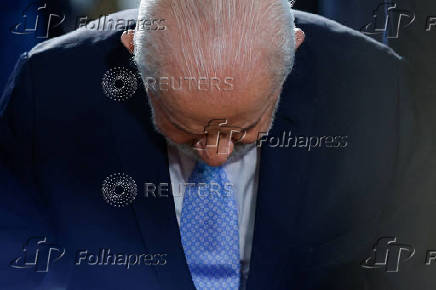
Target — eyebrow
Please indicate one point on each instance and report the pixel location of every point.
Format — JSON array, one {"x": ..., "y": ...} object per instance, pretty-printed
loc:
[
  {"x": 196, "y": 133},
  {"x": 184, "y": 129}
]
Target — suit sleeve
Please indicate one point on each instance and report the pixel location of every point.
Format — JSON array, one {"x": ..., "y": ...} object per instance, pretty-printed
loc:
[{"x": 22, "y": 210}]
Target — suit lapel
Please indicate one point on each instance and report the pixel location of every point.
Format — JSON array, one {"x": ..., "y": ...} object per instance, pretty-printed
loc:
[{"x": 276, "y": 250}]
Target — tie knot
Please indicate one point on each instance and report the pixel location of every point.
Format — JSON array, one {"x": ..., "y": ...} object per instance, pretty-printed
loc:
[
  {"x": 204, "y": 173},
  {"x": 202, "y": 167}
]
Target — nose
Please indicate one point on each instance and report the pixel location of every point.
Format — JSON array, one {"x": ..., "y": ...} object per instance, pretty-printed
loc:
[{"x": 217, "y": 152}]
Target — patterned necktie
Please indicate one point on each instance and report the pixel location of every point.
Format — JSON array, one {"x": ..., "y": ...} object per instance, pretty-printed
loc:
[{"x": 209, "y": 229}]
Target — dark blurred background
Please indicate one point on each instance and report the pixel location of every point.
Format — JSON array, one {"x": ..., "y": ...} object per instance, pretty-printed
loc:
[{"x": 24, "y": 23}]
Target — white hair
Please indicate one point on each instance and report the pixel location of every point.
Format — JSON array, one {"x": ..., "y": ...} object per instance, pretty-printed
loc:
[{"x": 242, "y": 38}]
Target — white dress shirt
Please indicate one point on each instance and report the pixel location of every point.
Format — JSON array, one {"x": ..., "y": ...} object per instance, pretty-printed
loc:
[{"x": 243, "y": 174}]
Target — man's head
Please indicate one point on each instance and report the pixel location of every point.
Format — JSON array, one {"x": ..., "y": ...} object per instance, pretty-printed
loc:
[{"x": 215, "y": 73}]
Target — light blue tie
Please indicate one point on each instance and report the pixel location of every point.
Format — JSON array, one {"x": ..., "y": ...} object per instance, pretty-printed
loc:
[{"x": 209, "y": 229}]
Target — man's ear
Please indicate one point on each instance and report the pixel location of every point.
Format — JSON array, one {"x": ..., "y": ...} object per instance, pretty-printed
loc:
[
  {"x": 299, "y": 37},
  {"x": 127, "y": 40}
]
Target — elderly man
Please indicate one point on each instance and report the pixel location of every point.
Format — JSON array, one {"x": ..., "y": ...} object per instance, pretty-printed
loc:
[{"x": 205, "y": 147}]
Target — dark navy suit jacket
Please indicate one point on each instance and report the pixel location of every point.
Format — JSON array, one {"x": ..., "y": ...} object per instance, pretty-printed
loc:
[{"x": 319, "y": 212}]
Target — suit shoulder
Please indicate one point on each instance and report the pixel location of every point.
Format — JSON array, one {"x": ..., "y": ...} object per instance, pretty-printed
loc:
[
  {"x": 330, "y": 36},
  {"x": 97, "y": 32}
]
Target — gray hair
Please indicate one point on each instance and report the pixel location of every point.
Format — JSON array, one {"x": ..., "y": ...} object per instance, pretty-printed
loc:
[{"x": 208, "y": 38}]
